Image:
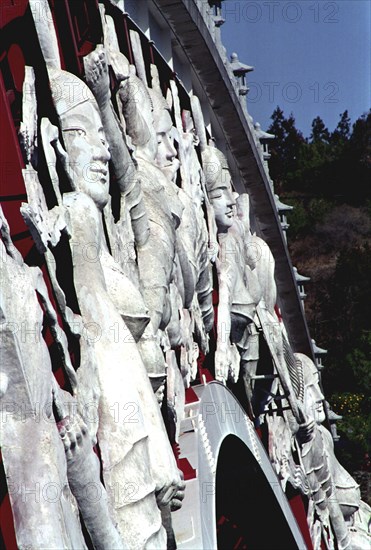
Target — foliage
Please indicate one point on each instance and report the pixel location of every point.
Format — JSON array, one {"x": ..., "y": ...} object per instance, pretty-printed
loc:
[
  {"x": 348, "y": 403},
  {"x": 328, "y": 165},
  {"x": 327, "y": 179},
  {"x": 319, "y": 131},
  {"x": 359, "y": 361},
  {"x": 288, "y": 142},
  {"x": 354, "y": 428},
  {"x": 306, "y": 214}
]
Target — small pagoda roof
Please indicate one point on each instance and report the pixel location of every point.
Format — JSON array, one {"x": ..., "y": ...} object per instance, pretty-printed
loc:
[
  {"x": 281, "y": 207},
  {"x": 238, "y": 68},
  {"x": 300, "y": 278},
  {"x": 317, "y": 350},
  {"x": 261, "y": 134},
  {"x": 332, "y": 416}
]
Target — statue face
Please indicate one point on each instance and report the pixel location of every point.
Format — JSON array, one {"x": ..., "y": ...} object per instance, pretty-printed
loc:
[
  {"x": 88, "y": 153},
  {"x": 223, "y": 203},
  {"x": 198, "y": 196},
  {"x": 314, "y": 398},
  {"x": 166, "y": 152}
]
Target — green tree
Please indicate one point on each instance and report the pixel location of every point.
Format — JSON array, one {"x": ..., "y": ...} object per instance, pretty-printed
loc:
[
  {"x": 332, "y": 166},
  {"x": 286, "y": 147},
  {"x": 319, "y": 131},
  {"x": 359, "y": 360},
  {"x": 342, "y": 130},
  {"x": 348, "y": 309}
]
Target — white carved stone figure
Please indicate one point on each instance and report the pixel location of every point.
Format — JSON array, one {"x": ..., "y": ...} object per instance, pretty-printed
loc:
[
  {"x": 193, "y": 229},
  {"x": 83, "y": 469},
  {"x": 131, "y": 435},
  {"x": 239, "y": 290},
  {"x": 148, "y": 341},
  {"x": 161, "y": 258},
  {"x": 132, "y": 230},
  {"x": 280, "y": 448},
  {"x": 334, "y": 492},
  {"x": 41, "y": 520}
]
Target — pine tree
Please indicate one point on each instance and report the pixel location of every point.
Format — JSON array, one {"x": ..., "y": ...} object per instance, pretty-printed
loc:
[
  {"x": 286, "y": 147},
  {"x": 319, "y": 131},
  {"x": 342, "y": 131}
]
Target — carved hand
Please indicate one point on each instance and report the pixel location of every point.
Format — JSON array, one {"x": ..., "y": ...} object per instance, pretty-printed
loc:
[
  {"x": 177, "y": 500},
  {"x": 97, "y": 76},
  {"x": 305, "y": 432},
  {"x": 165, "y": 496},
  {"x": 120, "y": 65},
  {"x": 222, "y": 364},
  {"x": 234, "y": 363},
  {"x": 75, "y": 438}
]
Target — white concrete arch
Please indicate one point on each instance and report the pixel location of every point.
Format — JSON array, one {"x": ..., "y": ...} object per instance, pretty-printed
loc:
[{"x": 220, "y": 442}]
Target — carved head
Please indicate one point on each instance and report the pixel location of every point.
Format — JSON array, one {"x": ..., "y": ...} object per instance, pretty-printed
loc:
[
  {"x": 137, "y": 112},
  {"x": 166, "y": 152},
  {"x": 313, "y": 396},
  {"x": 83, "y": 135},
  {"x": 219, "y": 187}
]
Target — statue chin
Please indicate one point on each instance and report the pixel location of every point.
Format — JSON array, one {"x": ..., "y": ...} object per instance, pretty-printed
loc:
[{"x": 170, "y": 170}]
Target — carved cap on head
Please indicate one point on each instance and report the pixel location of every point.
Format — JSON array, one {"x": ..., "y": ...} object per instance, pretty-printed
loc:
[
  {"x": 310, "y": 371},
  {"x": 159, "y": 104},
  {"x": 68, "y": 91},
  {"x": 215, "y": 167}
]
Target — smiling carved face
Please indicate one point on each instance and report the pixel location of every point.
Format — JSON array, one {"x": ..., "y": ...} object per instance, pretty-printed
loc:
[
  {"x": 166, "y": 152},
  {"x": 314, "y": 398},
  {"x": 222, "y": 200},
  {"x": 87, "y": 150}
]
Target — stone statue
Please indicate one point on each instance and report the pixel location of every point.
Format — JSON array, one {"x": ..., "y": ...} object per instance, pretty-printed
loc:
[
  {"x": 133, "y": 443},
  {"x": 83, "y": 468},
  {"x": 156, "y": 259},
  {"x": 281, "y": 453},
  {"x": 197, "y": 321},
  {"x": 239, "y": 290},
  {"x": 155, "y": 254},
  {"x": 45, "y": 512},
  {"x": 334, "y": 492},
  {"x": 193, "y": 186},
  {"x": 259, "y": 260}
]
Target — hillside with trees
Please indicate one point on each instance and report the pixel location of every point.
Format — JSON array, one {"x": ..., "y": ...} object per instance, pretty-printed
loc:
[{"x": 327, "y": 178}]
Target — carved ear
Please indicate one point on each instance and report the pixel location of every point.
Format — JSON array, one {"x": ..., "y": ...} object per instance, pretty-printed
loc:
[
  {"x": 28, "y": 126},
  {"x": 138, "y": 56},
  {"x": 169, "y": 99},
  {"x": 53, "y": 149},
  {"x": 199, "y": 121}
]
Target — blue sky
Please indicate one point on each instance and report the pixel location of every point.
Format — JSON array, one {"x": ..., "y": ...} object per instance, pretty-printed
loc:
[{"x": 311, "y": 57}]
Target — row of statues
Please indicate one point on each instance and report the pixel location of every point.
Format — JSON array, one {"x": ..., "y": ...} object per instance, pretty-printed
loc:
[{"x": 137, "y": 222}]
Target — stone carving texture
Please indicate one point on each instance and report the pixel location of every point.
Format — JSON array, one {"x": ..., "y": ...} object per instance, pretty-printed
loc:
[{"x": 127, "y": 285}]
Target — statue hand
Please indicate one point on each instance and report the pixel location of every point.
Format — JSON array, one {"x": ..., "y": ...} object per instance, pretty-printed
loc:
[
  {"x": 120, "y": 65},
  {"x": 75, "y": 438},
  {"x": 222, "y": 363},
  {"x": 234, "y": 363},
  {"x": 97, "y": 76},
  {"x": 171, "y": 494},
  {"x": 177, "y": 500},
  {"x": 305, "y": 432}
]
